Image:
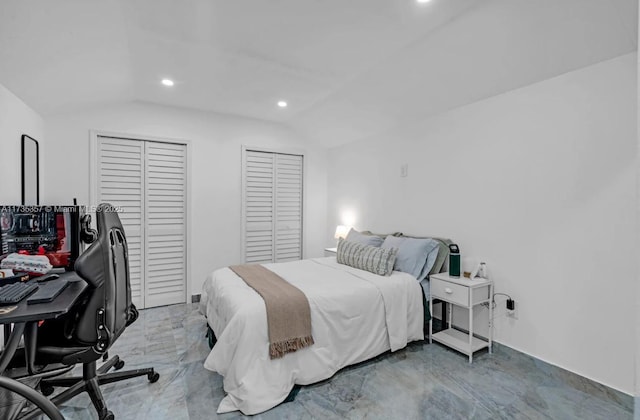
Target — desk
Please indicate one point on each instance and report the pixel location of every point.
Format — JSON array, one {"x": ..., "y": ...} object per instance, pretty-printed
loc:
[
  {"x": 25, "y": 317},
  {"x": 28, "y": 315}
]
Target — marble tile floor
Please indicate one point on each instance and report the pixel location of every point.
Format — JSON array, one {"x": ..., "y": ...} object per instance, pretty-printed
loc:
[{"x": 423, "y": 381}]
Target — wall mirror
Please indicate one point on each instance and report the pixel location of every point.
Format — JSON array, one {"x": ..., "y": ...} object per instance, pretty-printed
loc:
[{"x": 30, "y": 171}]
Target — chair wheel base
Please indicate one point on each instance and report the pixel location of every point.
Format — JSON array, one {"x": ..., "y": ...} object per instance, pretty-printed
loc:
[
  {"x": 153, "y": 377},
  {"x": 46, "y": 390},
  {"x": 118, "y": 365},
  {"x": 108, "y": 416}
]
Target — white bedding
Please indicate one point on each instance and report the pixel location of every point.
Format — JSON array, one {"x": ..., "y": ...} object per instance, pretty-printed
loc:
[{"x": 355, "y": 315}]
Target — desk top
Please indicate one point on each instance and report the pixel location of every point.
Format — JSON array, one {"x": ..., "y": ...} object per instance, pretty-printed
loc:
[{"x": 54, "y": 309}]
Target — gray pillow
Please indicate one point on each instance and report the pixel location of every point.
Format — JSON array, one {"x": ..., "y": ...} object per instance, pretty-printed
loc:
[
  {"x": 382, "y": 235},
  {"x": 355, "y": 236},
  {"x": 415, "y": 256},
  {"x": 365, "y": 257}
]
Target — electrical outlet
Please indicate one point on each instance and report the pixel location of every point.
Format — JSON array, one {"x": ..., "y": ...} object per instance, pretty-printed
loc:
[{"x": 514, "y": 313}]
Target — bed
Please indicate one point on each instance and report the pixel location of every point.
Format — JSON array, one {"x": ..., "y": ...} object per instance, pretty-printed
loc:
[{"x": 355, "y": 315}]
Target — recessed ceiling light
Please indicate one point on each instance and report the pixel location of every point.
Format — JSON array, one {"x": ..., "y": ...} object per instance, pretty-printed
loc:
[
  {"x": 282, "y": 104},
  {"x": 167, "y": 82},
  {"x": 423, "y": 1}
]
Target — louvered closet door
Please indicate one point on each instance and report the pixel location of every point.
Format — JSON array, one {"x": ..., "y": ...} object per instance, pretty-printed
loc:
[
  {"x": 121, "y": 183},
  {"x": 166, "y": 184},
  {"x": 288, "y": 208},
  {"x": 272, "y": 207},
  {"x": 259, "y": 206}
]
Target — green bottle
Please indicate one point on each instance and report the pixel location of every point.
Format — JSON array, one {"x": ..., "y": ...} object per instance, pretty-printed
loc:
[{"x": 454, "y": 260}]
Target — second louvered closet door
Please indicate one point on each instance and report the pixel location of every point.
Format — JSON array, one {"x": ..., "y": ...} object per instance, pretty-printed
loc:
[
  {"x": 148, "y": 180},
  {"x": 272, "y": 207},
  {"x": 288, "y": 208},
  {"x": 165, "y": 215}
]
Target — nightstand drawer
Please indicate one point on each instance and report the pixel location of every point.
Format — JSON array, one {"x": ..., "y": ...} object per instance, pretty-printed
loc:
[{"x": 450, "y": 292}]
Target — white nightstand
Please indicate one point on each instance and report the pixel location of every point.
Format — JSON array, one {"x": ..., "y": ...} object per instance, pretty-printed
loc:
[
  {"x": 330, "y": 252},
  {"x": 465, "y": 293}
]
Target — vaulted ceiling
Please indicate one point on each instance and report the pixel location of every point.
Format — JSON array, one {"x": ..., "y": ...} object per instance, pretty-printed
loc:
[{"x": 348, "y": 69}]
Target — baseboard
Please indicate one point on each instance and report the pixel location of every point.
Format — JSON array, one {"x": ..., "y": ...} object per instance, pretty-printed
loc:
[{"x": 195, "y": 298}]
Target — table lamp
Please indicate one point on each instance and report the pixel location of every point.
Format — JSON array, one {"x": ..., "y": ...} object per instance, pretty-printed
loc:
[{"x": 341, "y": 231}]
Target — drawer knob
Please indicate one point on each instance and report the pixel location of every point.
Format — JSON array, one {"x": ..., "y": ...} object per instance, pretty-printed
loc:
[{"x": 448, "y": 290}]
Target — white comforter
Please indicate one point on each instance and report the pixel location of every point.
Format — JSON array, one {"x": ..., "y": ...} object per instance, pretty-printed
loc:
[{"x": 355, "y": 315}]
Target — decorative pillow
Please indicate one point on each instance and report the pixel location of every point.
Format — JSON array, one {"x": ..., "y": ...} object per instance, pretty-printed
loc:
[
  {"x": 415, "y": 256},
  {"x": 366, "y": 257},
  {"x": 348, "y": 252},
  {"x": 355, "y": 236}
]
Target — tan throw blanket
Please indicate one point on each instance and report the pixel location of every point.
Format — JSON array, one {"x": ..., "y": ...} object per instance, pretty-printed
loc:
[{"x": 288, "y": 312}]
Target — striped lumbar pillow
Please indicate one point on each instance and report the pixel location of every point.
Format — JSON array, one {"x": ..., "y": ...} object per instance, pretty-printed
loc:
[{"x": 365, "y": 257}]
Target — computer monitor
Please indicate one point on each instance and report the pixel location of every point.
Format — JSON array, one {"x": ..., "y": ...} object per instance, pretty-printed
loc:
[{"x": 52, "y": 231}]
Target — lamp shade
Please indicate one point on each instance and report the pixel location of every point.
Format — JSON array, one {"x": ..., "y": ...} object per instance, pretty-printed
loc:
[{"x": 341, "y": 231}]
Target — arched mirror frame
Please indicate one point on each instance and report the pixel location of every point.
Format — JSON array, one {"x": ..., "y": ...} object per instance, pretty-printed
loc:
[{"x": 30, "y": 171}]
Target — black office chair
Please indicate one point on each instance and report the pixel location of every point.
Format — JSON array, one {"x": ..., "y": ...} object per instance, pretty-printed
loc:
[
  {"x": 86, "y": 335},
  {"x": 30, "y": 395}
]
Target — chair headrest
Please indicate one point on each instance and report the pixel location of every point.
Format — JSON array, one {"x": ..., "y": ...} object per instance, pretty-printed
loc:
[{"x": 95, "y": 261}]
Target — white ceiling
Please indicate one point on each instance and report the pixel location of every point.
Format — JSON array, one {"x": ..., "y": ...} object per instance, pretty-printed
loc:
[{"x": 348, "y": 69}]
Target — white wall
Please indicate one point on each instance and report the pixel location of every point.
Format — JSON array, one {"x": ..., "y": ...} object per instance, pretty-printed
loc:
[
  {"x": 215, "y": 170},
  {"x": 16, "y": 119},
  {"x": 539, "y": 183},
  {"x": 637, "y": 292}
]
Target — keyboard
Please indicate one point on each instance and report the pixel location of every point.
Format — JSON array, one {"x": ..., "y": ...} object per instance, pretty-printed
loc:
[
  {"x": 48, "y": 291},
  {"x": 15, "y": 292}
]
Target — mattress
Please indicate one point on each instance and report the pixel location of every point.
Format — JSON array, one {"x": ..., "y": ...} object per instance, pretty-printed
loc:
[{"x": 355, "y": 315}]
